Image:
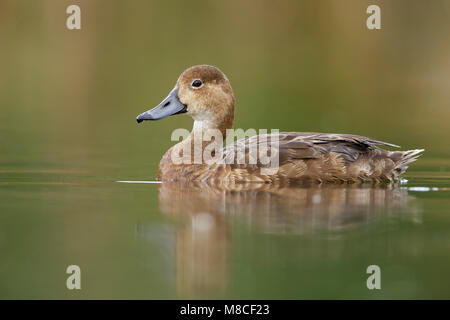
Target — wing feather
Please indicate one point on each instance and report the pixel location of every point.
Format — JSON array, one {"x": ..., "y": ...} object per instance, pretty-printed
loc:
[{"x": 308, "y": 145}]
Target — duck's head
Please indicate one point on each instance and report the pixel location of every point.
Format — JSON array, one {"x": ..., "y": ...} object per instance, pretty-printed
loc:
[{"x": 202, "y": 92}]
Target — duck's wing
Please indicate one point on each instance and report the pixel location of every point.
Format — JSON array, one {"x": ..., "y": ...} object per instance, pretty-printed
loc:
[
  {"x": 315, "y": 137},
  {"x": 303, "y": 145},
  {"x": 348, "y": 145}
]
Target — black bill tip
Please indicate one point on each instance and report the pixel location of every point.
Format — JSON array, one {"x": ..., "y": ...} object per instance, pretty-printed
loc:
[{"x": 144, "y": 116}]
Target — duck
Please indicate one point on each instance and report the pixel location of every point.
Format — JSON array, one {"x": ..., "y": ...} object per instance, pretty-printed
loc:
[{"x": 204, "y": 93}]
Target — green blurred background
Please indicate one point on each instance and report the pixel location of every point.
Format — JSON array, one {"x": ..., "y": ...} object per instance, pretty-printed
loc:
[{"x": 68, "y": 102}]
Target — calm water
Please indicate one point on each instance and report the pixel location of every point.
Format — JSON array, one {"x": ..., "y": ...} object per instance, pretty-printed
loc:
[{"x": 147, "y": 240}]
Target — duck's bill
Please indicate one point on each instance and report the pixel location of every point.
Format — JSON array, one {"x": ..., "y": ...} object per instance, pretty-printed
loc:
[{"x": 168, "y": 107}]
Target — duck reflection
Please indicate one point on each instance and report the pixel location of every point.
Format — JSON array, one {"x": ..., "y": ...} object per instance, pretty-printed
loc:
[{"x": 204, "y": 214}]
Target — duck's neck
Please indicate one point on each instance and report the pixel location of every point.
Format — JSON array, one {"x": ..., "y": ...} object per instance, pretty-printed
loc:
[
  {"x": 203, "y": 134},
  {"x": 202, "y": 124},
  {"x": 204, "y": 129}
]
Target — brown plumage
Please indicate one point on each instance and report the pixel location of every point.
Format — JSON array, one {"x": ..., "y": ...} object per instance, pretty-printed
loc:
[{"x": 205, "y": 93}]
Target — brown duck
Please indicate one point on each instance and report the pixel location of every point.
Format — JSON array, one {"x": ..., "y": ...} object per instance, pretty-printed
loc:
[{"x": 204, "y": 93}]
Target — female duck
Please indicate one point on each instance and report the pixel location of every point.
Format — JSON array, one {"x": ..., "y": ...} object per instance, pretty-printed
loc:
[{"x": 205, "y": 93}]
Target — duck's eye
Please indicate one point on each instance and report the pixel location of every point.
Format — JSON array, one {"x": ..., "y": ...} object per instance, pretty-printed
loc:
[{"x": 197, "y": 83}]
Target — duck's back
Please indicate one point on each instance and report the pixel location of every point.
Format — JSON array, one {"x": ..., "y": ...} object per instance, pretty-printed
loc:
[{"x": 301, "y": 157}]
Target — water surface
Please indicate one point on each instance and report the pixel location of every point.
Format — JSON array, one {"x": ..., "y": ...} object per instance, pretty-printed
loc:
[{"x": 153, "y": 240}]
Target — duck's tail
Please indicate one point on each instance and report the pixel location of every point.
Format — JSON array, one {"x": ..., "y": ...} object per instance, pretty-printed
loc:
[{"x": 406, "y": 158}]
